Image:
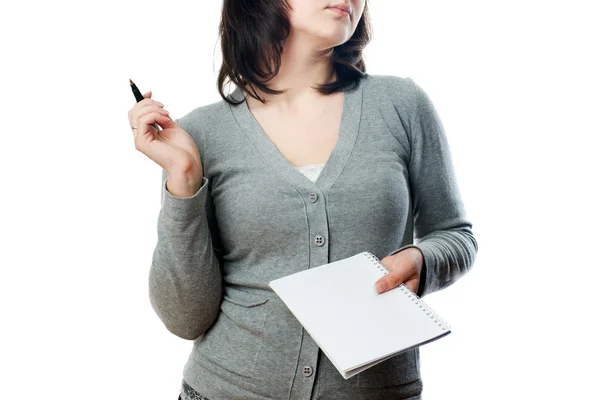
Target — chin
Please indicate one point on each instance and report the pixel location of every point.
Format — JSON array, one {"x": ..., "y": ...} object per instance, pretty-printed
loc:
[{"x": 333, "y": 36}]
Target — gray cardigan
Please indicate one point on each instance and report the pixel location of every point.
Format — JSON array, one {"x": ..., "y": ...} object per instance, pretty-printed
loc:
[{"x": 256, "y": 218}]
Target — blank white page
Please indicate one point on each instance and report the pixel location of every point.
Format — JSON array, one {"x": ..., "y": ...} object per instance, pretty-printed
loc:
[{"x": 353, "y": 325}]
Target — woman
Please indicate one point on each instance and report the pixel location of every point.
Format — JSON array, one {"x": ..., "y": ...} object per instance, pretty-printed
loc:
[{"x": 308, "y": 161}]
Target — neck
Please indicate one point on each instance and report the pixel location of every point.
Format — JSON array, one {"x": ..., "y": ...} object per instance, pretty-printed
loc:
[{"x": 303, "y": 66}]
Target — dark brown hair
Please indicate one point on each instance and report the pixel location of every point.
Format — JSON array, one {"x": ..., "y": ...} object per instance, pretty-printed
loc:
[{"x": 252, "y": 35}]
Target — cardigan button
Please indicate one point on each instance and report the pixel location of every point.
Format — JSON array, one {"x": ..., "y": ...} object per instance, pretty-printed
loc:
[
  {"x": 312, "y": 197},
  {"x": 307, "y": 370},
  {"x": 319, "y": 240}
]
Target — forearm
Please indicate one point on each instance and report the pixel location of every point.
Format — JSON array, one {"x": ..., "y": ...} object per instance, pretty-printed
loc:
[
  {"x": 184, "y": 183},
  {"x": 447, "y": 254},
  {"x": 185, "y": 282}
]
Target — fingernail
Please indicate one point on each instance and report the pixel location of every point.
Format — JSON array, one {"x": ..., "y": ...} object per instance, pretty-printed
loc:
[{"x": 380, "y": 287}]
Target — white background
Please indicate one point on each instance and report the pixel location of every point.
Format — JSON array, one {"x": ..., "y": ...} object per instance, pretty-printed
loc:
[{"x": 515, "y": 83}]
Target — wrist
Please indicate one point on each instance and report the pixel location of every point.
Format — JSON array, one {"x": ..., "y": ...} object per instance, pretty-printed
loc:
[
  {"x": 183, "y": 185},
  {"x": 418, "y": 257}
]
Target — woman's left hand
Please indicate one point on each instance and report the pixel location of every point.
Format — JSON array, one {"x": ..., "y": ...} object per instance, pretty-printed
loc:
[{"x": 404, "y": 267}]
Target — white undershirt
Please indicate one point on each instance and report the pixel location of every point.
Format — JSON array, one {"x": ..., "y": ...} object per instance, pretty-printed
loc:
[{"x": 311, "y": 171}]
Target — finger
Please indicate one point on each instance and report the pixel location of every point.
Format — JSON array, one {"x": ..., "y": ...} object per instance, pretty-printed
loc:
[
  {"x": 147, "y": 144},
  {"x": 165, "y": 121},
  {"x": 144, "y": 102},
  {"x": 154, "y": 150},
  {"x": 145, "y": 125},
  {"x": 148, "y": 95},
  {"x": 146, "y": 121},
  {"x": 147, "y": 102},
  {"x": 394, "y": 278},
  {"x": 388, "y": 282},
  {"x": 412, "y": 285},
  {"x": 150, "y": 107},
  {"x": 134, "y": 113},
  {"x": 135, "y": 121}
]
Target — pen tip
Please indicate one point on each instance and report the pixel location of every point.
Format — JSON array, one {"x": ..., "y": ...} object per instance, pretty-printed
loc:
[{"x": 130, "y": 82}]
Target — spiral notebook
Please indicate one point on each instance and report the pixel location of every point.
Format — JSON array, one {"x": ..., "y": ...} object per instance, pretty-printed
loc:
[{"x": 355, "y": 327}]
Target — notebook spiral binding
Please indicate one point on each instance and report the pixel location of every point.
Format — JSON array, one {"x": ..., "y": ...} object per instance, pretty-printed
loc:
[{"x": 416, "y": 299}]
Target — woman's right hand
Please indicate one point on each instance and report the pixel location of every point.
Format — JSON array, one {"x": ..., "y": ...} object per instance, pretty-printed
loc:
[{"x": 172, "y": 148}]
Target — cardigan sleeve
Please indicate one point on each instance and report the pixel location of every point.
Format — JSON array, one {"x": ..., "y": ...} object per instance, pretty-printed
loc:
[
  {"x": 442, "y": 229},
  {"x": 185, "y": 282}
]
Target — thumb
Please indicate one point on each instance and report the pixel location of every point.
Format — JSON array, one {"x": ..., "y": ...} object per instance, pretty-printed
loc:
[
  {"x": 383, "y": 285},
  {"x": 392, "y": 279},
  {"x": 165, "y": 121},
  {"x": 388, "y": 282},
  {"x": 148, "y": 94}
]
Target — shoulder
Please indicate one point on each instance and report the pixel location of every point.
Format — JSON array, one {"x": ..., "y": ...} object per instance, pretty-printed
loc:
[
  {"x": 382, "y": 82},
  {"x": 400, "y": 91},
  {"x": 206, "y": 121},
  {"x": 202, "y": 116},
  {"x": 394, "y": 96},
  {"x": 390, "y": 86}
]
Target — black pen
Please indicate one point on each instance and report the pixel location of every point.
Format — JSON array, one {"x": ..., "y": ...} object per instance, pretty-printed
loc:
[{"x": 139, "y": 97}]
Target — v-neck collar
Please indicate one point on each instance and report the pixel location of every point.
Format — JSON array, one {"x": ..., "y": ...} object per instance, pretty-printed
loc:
[{"x": 348, "y": 133}]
